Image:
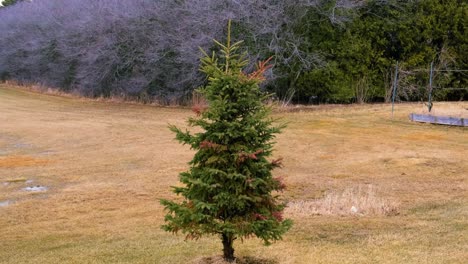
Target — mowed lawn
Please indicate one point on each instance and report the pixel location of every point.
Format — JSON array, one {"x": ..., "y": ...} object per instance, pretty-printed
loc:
[{"x": 106, "y": 165}]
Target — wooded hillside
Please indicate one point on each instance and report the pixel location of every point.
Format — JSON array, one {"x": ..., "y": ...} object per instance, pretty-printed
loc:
[{"x": 336, "y": 51}]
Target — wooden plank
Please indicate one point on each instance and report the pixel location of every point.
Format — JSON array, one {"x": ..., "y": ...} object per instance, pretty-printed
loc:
[{"x": 442, "y": 120}]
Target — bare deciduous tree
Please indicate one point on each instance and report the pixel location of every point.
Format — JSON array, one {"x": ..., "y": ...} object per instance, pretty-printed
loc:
[{"x": 146, "y": 48}]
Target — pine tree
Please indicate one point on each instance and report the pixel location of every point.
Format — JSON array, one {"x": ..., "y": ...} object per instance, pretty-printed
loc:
[{"x": 229, "y": 190}]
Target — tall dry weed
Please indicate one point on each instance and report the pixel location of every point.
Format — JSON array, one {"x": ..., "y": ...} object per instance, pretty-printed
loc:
[{"x": 359, "y": 200}]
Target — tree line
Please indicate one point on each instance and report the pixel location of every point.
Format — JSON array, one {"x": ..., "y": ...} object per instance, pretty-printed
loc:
[{"x": 335, "y": 51}]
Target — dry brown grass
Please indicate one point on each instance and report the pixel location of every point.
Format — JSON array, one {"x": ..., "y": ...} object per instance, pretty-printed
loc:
[
  {"x": 453, "y": 110},
  {"x": 109, "y": 163},
  {"x": 358, "y": 201}
]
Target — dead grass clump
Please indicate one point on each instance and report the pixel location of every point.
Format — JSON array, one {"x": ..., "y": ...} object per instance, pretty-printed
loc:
[
  {"x": 117, "y": 98},
  {"x": 20, "y": 161},
  {"x": 361, "y": 200},
  {"x": 199, "y": 103},
  {"x": 40, "y": 88}
]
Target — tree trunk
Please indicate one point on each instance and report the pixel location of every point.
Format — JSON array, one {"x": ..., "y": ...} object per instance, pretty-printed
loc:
[{"x": 228, "y": 250}]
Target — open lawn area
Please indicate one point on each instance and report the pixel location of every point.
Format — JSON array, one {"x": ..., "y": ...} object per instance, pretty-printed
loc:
[{"x": 363, "y": 187}]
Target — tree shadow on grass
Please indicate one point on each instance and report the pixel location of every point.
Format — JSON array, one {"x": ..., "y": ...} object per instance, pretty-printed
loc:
[{"x": 239, "y": 260}]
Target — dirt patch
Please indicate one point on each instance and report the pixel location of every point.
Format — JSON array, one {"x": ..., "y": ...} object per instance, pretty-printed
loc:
[
  {"x": 21, "y": 161},
  {"x": 425, "y": 136}
]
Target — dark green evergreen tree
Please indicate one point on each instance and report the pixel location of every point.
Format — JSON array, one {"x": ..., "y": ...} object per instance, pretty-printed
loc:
[
  {"x": 9, "y": 2},
  {"x": 229, "y": 190}
]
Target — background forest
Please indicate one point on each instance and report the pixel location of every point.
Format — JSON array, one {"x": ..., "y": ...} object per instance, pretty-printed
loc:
[{"x": 324, "y": 51}]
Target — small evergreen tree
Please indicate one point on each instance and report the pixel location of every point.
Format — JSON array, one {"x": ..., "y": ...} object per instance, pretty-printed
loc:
[{"x": 229, "y": 190}]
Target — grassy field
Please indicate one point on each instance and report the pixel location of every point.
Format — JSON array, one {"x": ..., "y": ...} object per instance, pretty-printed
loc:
[{"x": 106, "y": 165}]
